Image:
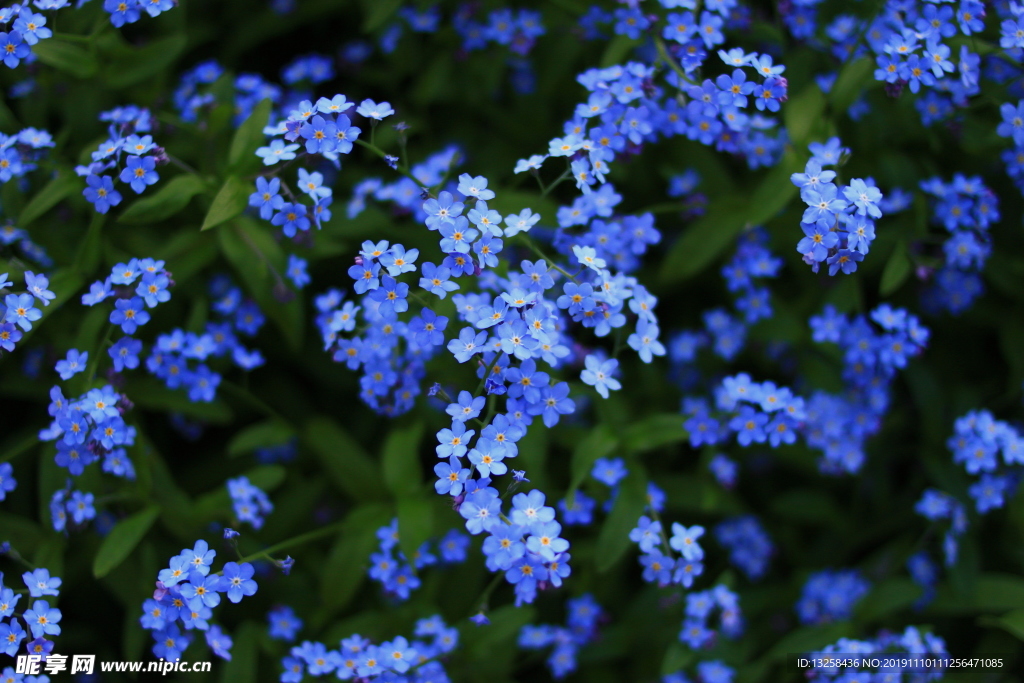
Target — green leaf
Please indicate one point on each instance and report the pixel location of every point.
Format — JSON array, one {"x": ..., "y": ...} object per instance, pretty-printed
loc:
[
  {"x": 993, "y": 592},
  {"x": 613, "y": 542},
  {"x": 600, "y": 442},
  {"x": 715, "y": 232},
  {"x": 150, "y": 394},
  {"x": 249, "y": 137},
  {"x": 122, "y": 539},
  {"x": 344, "y": 460},
  {"x": 677, "y": 657},
  {"x": 22, "y": 533},
  {"x": 506, "y": 623},
  {"x": 809, "y": 639},
  {"x": 377, "y": 12},
  {"x": 1013, "y": 622},
  {"x": 136, "y": 65},
  {"x": 654, "y": 431},
  {"x": 775, "y": 190},
  {"x": 802, "y": 113},
  {"x": 617, "y": 49},
  {"x": 67, "y": 57},
  {"x": 269, "y": 433},
  {"x": 230, "y": 202},
  {"x": 415, "y": 524},
  {"x": 809, "y": 506},
  {"x": 706, "y": 239},
  {"x": 243, "y": 666},
  {"x": 169, "y": 200},
  {"x": 345, "y": 567},
  {"x": 400, "y": 460},
  {"x": 61, "y": 187},
  {"x": 897, "y": 270},
  {"x": 253, "y": 252},
  {"x": 850, "y": 83},
  {"x": 891, "y": 595},
  {"x": 87, "y": 258}
]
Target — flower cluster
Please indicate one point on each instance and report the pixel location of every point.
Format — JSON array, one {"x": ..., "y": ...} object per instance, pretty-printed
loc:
[
  {"x": 935, "y": 506},
  {"x": 250, "y": 503},
  {"x": 755, "y": 413},
  {"x": 525, "y": 545},
  {"x": 837, "y": 229},
  {"x": 725, "y": 331},
  {"x": 516, "y": 30},
  {"x": 18, "y": 311},
  {"x": 846, "y": 651},
  {"x": 187, "y": 591},
  {"x": 126, "y": 135},
  {"x": 397, "y": 574},
  {"x": 78, "y": 504},
  {"x": 129, "y": 11},
  {"x": 723, "y": 470},
  {"x": 580, "y": 628},
  {"x": 7, "y": 481},
  {"x": 750, "y": 548},
  {"x": 626, "y": 103},
  {"x": 86, "y": 429},
  {"x": 831, "y": 595},
  {"x": 907, "y": 42},
  {"x": 708, "y": 671},
  {"x": 966, "y": 208},
  {"x": 660, "y": 564},
  {"x": 170, "y": 357},
  {"x": 25, "y": 30},
  {"x": 41, "y": 619},
  {"x": 1012, "y": 127},
  {"x": 395, "y": 661},
  {"x": 925, "y": 574},
  {"x": 19, "y": 153},
  {"x": 700, "y": 607},
  {"x": 978, "y": 440},
  {"x": 839, "y": 425}
]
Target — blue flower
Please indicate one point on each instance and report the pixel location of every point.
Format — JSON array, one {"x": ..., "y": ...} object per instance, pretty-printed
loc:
[
  {"x": 267, "y": 197},
  {"x": 276, "y": 151},
  {"x": 72, "y": 365},
  {"x": 685, "y": 541},
  {"x": 372, "y": 110},
  {"x": 140, "y": 172},
  {"x": 21, "y": 310},
  {"x": 237, "y": 581},
  {"x": 40, "y": 583},
  {"x": 153, "y": 289},
  {"x": 43, "y": 619},
  {"x": 14, "y": 49},
  {"x": 598, "y": 374},
  {"x": 129, "y": 314},
  {"x": 37, "y": 286}
]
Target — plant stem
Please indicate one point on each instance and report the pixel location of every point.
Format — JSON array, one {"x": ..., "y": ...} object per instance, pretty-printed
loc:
[{"x": 295, "y": 540}]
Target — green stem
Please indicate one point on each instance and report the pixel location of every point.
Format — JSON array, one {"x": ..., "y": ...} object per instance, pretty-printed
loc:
[
  {"x": 536, "y": 250},
  {"x": 259, "y": 404},
  {"x": 382, "y": 154},
  {"x": 183, "y": 166},
  {"x": 565, "y": 174},
  {"x": 664, "y": 54},
  {"x": 294, "y": 541},
  {"x": 486, "y": 595},
  {"x": 94, "y": 362},
  {"x": 25, "y": 444}
]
